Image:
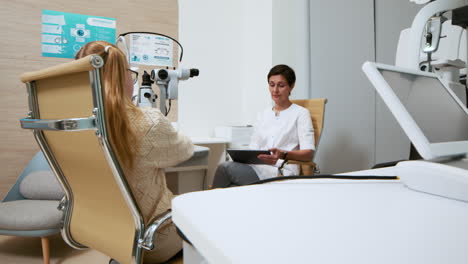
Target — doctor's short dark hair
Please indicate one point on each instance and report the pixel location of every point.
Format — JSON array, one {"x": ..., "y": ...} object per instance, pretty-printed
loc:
[{"x": 285, "y": 71}]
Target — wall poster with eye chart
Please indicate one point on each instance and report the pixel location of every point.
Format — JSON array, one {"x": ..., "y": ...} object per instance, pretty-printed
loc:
[
  {"x": 63, "y": 34},
  {"x": 151, "y": 49}
]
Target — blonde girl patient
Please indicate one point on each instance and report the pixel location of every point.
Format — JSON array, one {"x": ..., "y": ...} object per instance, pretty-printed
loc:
[{"x": 145, "y": 142}]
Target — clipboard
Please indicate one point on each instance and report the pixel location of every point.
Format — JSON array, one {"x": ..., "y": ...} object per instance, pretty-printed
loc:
[{"x": 247, "y": 156}]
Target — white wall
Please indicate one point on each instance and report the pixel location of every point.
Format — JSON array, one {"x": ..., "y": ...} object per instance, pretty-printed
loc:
[
  {"x": 235, "y": 42},
  {"x": 257, "y": 58},
  {"x": 341, "y": 40},
  {"x": 391, "y": 142},
  {"x": 230, "y": 42},
  {"x": 291, "y": 42}
]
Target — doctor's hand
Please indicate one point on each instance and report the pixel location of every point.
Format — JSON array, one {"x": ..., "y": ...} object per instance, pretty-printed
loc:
[
  {"x": 268, "y": 159},
  {"x": 272, "y": 158}
]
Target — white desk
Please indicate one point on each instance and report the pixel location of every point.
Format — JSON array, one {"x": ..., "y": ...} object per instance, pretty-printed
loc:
[
  {"x": 324, "y": 221},
  {"x": 217, "y": 155},
  {"x": 190, "y": 176}
]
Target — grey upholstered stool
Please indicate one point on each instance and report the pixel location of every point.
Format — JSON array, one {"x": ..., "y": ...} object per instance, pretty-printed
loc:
[{"x": 30, "y": 207}]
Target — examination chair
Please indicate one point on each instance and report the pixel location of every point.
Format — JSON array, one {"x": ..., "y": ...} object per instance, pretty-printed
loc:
[
  {"x": 30, "y": 207},
  {"x": 316, "y": 108},
  {"x": 67, "y": 118}
]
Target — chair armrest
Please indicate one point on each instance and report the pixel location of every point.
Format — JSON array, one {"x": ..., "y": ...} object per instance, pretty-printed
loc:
[
  {"x": 298, "y": 162},
  {"x": 72, "y": 124},
  {"x": 147, "y": 241},
  {"x": 307, "y": 167}
]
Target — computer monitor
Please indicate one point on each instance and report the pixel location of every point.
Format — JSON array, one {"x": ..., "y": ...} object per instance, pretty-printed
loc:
[{"x": 431, "y": 115}]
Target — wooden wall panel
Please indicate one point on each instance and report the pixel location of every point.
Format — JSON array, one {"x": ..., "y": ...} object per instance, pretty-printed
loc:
[{"x": 21, "y": 52}]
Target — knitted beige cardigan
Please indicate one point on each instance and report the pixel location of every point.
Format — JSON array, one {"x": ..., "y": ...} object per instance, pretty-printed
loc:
[{"x": 160, "y": 146}]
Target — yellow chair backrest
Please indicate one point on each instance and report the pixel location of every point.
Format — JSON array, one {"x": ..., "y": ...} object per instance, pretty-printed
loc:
[
  {"x": 316, "y": 108},
  {"x": 99, "y": 215}
]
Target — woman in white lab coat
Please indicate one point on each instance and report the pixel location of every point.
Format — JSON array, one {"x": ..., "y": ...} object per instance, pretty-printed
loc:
[
  {"x": 285, "y": 130},
  {"x": 145, "y": 142}
]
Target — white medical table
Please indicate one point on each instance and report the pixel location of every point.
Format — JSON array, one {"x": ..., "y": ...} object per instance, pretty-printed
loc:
[{"x": 323, "y": 221}]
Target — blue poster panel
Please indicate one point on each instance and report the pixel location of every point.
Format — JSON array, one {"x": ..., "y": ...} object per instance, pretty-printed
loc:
[{"x": 63, "y": 34}]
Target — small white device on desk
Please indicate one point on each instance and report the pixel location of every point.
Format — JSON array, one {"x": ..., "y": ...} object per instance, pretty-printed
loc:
[
  {"x": 447, "y": 180},
  {"x": 238, "y": 136}
]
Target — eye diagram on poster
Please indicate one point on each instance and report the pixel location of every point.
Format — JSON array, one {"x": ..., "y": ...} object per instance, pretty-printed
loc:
[
  {"x": 149, "y": 49},
  {"x": 63, "y": 34}
]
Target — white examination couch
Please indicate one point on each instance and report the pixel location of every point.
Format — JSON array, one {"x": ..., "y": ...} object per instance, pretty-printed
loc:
[{"x": 323, "y": 221}]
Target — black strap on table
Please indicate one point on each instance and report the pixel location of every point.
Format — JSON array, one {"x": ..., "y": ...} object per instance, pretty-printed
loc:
[{"x": 326, "y": 176}]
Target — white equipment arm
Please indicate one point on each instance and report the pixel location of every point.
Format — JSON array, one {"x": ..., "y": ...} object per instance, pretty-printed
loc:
[{"x": 419, "y": 23}]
